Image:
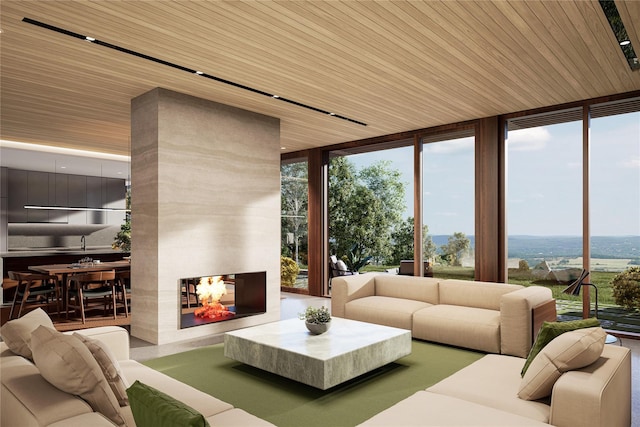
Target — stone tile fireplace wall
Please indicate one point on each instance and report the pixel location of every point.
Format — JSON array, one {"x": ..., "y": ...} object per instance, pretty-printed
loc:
[{"x": 205, "y": 197}]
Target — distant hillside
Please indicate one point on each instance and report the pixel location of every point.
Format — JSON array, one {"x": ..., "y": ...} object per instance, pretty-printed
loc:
[
  {"x": 536, "y": 247},
  {"x": 569, "y": 246}
]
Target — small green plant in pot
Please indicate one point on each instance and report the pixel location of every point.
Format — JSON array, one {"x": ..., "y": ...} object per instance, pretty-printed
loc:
[{"x": 317, "y": 320}]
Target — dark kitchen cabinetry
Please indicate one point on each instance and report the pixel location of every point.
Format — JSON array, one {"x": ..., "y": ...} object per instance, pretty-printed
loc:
[
  {"x": 77, "y": 197},
  {"x": 33, "y": 188}
]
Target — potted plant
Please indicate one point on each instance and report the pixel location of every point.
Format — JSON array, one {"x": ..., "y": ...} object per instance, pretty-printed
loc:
[
  {"x": 317, "y": 320},
  {"x": 122, "y": 240}
]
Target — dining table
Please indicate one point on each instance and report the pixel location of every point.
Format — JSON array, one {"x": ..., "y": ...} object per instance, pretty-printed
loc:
[{"x": 63, "y": 271}]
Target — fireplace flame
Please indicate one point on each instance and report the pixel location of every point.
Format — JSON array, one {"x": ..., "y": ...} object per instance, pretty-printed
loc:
[{"x": 210, "y": 290}]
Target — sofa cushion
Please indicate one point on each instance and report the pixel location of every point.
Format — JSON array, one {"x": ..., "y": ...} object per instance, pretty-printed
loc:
[
  {"x": 109, "y": 365},
  {"x": 571, "y": 350},
  {"x": 19, "y": 398},
  {"x": 493, "y": 381},
  {"x": 92, "y": 419},
  {"x": 395, "y": 312},
  {"x": 17, "y": 333},
  {"x": 204, "y": 403},
  {"x": 550, "y": 330},
  {"x": 424, "y": 289},
  {"x": 469, "y": 327},
  {"x": 153, "y": 408},
  {"x": 430, "y": 409},
  {"x": 65, "y": 362},
  {"x": 474, "y": 294}
]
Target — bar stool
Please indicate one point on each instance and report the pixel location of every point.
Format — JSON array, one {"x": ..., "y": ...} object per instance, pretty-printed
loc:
[
  {"x": 92, "y": 285},
  {"x": 34, "y": 289}
]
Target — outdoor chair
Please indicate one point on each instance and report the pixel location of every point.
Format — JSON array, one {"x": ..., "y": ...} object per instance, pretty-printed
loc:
[
  {"x": 406, "y": 268},
  {"x": 338, "y": 268}
]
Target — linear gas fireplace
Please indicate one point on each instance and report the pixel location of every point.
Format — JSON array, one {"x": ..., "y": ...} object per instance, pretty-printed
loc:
[{"x": 216, "y": 298}]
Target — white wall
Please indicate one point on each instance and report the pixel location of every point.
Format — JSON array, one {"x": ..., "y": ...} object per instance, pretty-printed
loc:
[{"x": 205, "y": 200}]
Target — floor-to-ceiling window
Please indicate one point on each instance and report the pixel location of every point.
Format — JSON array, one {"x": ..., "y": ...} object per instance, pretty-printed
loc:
[
  {"x": 370, "y": 200},
  {"x": 614, "y": 208},
  {"x": 544, "y": 199},
  {"x": 448, "y": 204},
  {"x": 294, "y": 224},
  {"x": 573, "y": 203}
]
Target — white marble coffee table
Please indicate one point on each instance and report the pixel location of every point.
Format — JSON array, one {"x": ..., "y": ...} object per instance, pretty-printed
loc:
[{"x": 349, "y": 349}]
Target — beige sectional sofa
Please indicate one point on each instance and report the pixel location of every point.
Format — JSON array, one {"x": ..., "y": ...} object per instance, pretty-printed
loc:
[
  {"x": 485, "y": 316},
  {"x": 27, "y": 399},
  {"x": 485, "y": 393}
]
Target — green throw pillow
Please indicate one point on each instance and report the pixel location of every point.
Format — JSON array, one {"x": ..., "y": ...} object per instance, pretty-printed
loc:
[
  {"x": 551, "y": 330},
  {"x": 153, "y": 408}
]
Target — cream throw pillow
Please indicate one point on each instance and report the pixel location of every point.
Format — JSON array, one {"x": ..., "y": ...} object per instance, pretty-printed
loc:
[
  {"x": 67, "y": 363},
  {"x": 17, "y": 333},
  {"x": 109, "y": 365},
  {"x": 571, "y": 350}
]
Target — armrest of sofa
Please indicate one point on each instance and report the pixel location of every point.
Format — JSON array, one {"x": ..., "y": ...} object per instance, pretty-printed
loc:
[
  {"x": 516, "y": 320},
  {"x": 116, "y": 338},
  {"x": 348, "y": 288},
  {"x": 598, "y": 395}
]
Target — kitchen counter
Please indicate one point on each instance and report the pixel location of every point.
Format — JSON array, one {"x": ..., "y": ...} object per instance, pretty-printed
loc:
[{"x": 90, "y": 252}]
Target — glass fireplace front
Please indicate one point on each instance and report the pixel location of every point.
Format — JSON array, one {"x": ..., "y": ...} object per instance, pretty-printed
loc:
[{"x": 216, "y": 298}]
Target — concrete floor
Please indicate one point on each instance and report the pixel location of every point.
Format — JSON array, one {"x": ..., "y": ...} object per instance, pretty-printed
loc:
[{"x": 292, "y": 304}]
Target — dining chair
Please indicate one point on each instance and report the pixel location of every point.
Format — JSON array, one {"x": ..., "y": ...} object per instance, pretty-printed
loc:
[
  {"x": 188, "y": 290},
  {"x": 84, "y": 287},
  {"x": 123, "y": 288},
  {"x": 34, "y": 289}
]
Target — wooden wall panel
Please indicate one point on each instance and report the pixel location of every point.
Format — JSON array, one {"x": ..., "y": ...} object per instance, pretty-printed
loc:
[{"x": 488, "y": 254}]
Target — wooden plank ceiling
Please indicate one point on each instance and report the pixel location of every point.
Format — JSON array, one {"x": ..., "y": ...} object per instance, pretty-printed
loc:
[{"x": 395, "y": 66}]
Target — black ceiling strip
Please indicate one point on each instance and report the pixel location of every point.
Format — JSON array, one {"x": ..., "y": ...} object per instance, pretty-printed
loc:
[
  {"x": 180, "y": 67},
  {"x": 617, "y": 26},
  {"x": 52, "y": 28},
  {"x": 238, "y": 85},
  {"x": 143, "y": 56}
]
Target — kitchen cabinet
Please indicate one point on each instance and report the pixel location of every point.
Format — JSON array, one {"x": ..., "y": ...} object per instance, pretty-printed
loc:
[{"x": 54, "y": 189}]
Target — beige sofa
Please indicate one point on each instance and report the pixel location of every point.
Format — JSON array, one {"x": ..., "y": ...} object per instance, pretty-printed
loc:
[
  {"x": 485, "y": 393},
  {"x": 485, "y": 316},
  {"x": 27, "y": 399}
]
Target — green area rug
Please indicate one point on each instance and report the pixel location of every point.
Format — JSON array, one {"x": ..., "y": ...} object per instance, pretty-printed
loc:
[{"x": 285, "y": 402}]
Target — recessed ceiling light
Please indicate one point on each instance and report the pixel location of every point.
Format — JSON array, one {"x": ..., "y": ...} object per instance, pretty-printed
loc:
[
  {"x": 89, "y": 39},
  {"x": 283, "y": 148},
  {"x": 199, "y": 73},
  {"x": 624, "y": 43}
]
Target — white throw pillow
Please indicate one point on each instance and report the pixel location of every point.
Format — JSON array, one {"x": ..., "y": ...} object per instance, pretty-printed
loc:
[
  {"x": 67, "y": 363},
  {"x": 109, "y": 365},
  {"x": 17, "y": 333},
  {"x": 341, "y": 265},
  {"x": 571, "y": 350}
]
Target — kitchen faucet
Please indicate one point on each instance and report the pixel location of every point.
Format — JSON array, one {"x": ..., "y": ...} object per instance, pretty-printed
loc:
[{"x": 83, "y": 243}]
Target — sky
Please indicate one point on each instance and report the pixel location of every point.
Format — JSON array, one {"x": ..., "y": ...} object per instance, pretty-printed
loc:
[{"x": 544, "y": 184}]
